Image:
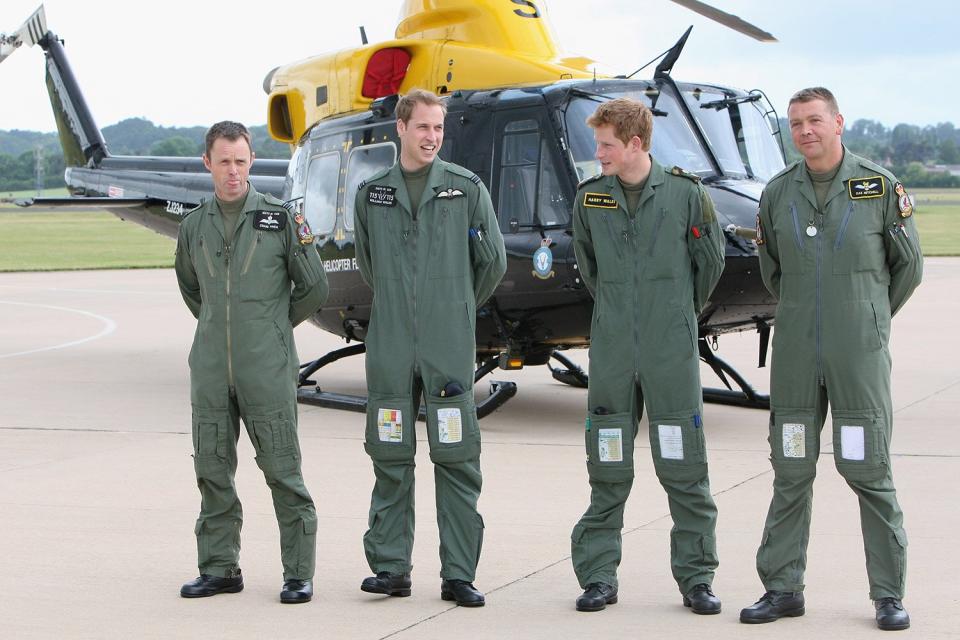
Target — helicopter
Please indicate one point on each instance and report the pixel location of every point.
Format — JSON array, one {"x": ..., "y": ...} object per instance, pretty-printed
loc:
[{"x": 516, "y": 116}]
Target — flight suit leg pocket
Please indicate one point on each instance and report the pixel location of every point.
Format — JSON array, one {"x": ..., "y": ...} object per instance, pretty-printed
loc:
[
  {"x": 390, "y": 428},
  {"x": 275, "y": 440},
  {"x": 859, "y": 445},
  {"x": 678, "y": 446},
  {"x": 210, "y": 433},
  {"x": 452, "y": 428},
  {"x": 794, "y": 442},
  {"x": 609, "y": 442}
]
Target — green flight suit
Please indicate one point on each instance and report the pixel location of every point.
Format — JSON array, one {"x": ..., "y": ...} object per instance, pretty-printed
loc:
[
  {"x": 429, "y": 268},
  {"x": 243, "y": 364},
  {"x": 650, "y": 272},
  {"x": 836, "y": 291}
]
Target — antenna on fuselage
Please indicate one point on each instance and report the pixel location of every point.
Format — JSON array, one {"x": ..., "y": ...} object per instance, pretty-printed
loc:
[{"x": 363, "y": 36}]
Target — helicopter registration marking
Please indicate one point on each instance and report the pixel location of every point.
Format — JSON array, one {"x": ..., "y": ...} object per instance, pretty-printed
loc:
[
  {"x": 175, "y": 208},
  {"x": 600, "y": 200}
]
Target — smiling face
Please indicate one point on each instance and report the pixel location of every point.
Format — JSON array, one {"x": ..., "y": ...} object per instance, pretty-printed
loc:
[
  {"x": 229, "y": 163},
  {"x": 421, "y": 136},
  {"x": 816, "y": 133}
]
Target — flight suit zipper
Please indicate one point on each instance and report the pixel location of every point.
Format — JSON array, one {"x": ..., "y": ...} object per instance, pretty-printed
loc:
[
  {"x": 249, "y": 258},
  {"x": 206, "y": 255},
  {"x": 819, "y": 241},
  {"x": 843, "y": 226},
  {"x": 226, "y": 253},
  {"x": 416, "y": 259}
]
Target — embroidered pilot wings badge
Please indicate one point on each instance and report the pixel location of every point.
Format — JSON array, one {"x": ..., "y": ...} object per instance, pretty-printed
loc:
[{"x": 449, "y": 193}]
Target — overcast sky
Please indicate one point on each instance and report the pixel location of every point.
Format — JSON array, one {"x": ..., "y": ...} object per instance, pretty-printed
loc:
[{"x": 180, "y": 63}]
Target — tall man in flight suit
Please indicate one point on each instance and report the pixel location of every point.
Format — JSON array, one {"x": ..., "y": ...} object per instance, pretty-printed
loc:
[
  {"x": 840, "y": 250},
  {"x": 237, "y": 255},
  {"x": 428, "y": 244},
  {"x": 650, "y": 251}
]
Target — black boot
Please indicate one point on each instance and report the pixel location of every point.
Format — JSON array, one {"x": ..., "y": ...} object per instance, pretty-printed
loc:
[
  {"x": 702, "y": 600},
  {"x": 773, "y": 606},
  {"x": 891, "y": 616},
  {"x": 296, "y": 591},
  {"x": 597, "y": 596},
  {"x": 207, "y": 585},
  {"x": 391, "y": 584},
  {"x": 465, "y": 594}
]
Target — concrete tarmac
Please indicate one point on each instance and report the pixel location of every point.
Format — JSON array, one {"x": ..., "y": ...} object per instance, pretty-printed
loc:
[{"x": 98, "y": 498}]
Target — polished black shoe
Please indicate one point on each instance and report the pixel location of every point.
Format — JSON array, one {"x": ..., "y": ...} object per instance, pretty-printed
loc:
[
  {"x": 296, "y": 591},
  {"x": 891, "y": 616},
  {"x": 207, "y": 585},
  {"x": 391, "y": 584},
  {"x": 773, "y": 606},
  {"x": 597, "y": 596},
  {"x": 465, "y": 594},
  {"x": 702, "y": 600}
]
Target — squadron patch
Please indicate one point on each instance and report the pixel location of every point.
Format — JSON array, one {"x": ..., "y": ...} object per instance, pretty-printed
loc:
[
  {"x": 303, "y": 229},
  {"x": 760, "y": 239},
  {"x": 862, "y": 188},
  {"x": 600, "y": 200},
  {"x": 449, "y": 193},
  {"x": 903, "y": 201},
  {"x": 382, "y": 195},
  {"x": 270, "y": 220}
]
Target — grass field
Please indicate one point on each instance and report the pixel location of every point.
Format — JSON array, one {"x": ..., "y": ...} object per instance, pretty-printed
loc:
[{"x": 63, "y": 240}]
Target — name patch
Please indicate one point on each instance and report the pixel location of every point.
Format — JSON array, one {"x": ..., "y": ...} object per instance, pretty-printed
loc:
[
  {"x": 872, "y": 187},
  {"x": 600, "y": 200},
  {"x": 270, "y": 220},
  {"x": 382, "y": 195}
]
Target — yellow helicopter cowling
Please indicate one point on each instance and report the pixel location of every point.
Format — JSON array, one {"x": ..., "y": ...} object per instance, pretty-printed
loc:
[{"x": 451, "y": 44}]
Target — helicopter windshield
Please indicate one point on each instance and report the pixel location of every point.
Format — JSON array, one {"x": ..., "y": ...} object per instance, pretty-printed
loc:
[
  {"x": 738, "y": 131},
  {"x": 673, "y": 143}
]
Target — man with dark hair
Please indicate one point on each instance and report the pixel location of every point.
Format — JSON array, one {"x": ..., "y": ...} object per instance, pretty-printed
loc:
[
  {"x": 428, "y": 244},
  {"x": 650, "y": 251},
  {"x": 238, "y": 254},
  {"x": 840, "y": 251}
]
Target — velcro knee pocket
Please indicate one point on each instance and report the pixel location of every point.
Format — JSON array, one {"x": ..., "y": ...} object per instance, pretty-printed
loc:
[
  {"x": 210, "y": 433},
  {"x": 860, "y": 444},
  {"x": 609, "y": 441},
  {"x": 452, "y": 428},
  {"x": 391, "y": 427},
  {"x": 678, "y": 446},
  {"x": 274, "y": 437},
  {"x": 794, "y": 442}
]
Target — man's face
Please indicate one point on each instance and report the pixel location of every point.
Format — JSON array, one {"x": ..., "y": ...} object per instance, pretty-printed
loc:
[
  {"x": 815, "y": 131},
  {"x": 421, "y": 136},
  {"x": 614, "y": 156},
  {"x": 229, "y": 163}
]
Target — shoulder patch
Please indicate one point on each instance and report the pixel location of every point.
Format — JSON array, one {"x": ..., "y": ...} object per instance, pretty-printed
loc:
[
  {"x": 376, "y": 176},
  {"x": 869, "y": 187},
  {"x": 587, "y": 181},
  {"x": 677, "y": 171}
]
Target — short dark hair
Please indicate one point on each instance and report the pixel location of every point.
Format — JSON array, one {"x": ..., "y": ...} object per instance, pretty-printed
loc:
[
  {"x": 228, "y": 129},
  {"x": 816, "y": 93},
  {"x": 412, "y": 98}
]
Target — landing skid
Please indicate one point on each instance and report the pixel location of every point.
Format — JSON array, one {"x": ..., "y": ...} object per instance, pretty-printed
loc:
[
  {"x": 309, "y": 392},
  {"x": 747, "y": 396}
]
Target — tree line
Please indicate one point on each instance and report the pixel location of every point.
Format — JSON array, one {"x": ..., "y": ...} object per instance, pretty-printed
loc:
[{"x": 910, "y": 151}]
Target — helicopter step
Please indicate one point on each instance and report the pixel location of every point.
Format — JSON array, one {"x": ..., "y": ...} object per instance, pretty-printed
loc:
[
  {"x": 309, "y": 392},
  {"x": 747, "y": 396}
]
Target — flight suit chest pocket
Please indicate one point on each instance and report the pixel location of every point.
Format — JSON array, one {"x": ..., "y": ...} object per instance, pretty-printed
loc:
[
  {"x": 452, "y": 428},
  {"x": 661, "y": 249},
  {"x": 262, "y": 266},
  {"x": 611, "y": 233},
  {"x": 389, "y": 234},
  {"x": 858, "y": 245},
  {"x": 609, "y": 443},
  {"x": 449, "y": 240},
  {"x": 789, "y": 227}
]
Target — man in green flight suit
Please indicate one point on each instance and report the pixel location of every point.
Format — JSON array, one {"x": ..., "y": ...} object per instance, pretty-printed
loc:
[
  {"x": 428, "y": 244},
  {"x": 650, "y": 251},
  {"x": 840, "y": 251},
  {"x": 237, "y": 255}
]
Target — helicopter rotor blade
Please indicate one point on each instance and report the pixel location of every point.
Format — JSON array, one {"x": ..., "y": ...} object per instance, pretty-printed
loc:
[
  {"x": 29, "y": 33},
  {"x": 727, "y": 19}
]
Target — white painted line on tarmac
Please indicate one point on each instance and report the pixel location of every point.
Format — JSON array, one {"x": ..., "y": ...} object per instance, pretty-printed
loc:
[{"x": 109, "y": 327}]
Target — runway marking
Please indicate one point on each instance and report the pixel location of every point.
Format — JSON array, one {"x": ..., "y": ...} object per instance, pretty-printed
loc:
[{"x": 109, "y": 327}]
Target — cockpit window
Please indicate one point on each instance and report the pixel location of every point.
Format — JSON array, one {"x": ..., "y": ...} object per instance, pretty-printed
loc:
[
  {"x": 364, "y": 162},
  {"x": 738, "y": 131},
  {"x": 530, "y": 192},
  {"x": 320, "y": 196},
  {"x": 673, "y": 143}
]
